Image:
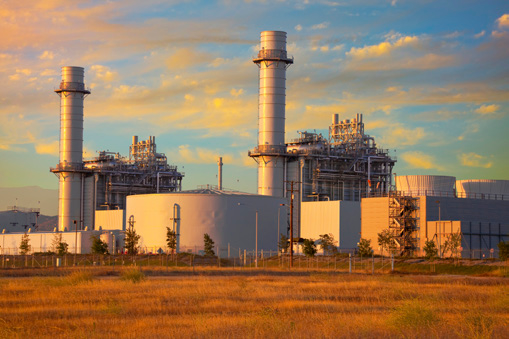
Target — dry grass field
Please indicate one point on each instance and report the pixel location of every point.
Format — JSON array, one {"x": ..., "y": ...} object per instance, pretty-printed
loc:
[{"x": 262, "y": 305}]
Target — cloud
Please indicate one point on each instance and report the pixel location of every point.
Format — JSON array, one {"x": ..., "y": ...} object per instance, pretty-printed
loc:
[
  {"x": 503, "y": 21},
  {"x": 382, "y": 49},
  {"x": 236, "y": 92},
  {"x": 103, "y": 73},
  {"x": 199, "y": 155},
  {"x": 419, "y": 160},
  {"x": 393, "y": 2},
  {"x": 298, "y": 28},
  {"x": 322, "y": 25},
  {"x": 399, "y": 135},
  {"x": 480, "y": 34},
  {"x": 187, "y": 57},
  {"x": 47, "y": 55},
  {"x": 487, "y": 109},
  {"x": 474, "y": 160},
  {"x": 51, "y": 148}
]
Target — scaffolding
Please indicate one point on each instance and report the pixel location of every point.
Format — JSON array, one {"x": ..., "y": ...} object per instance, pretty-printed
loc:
[{"x": 404, "y": 222}]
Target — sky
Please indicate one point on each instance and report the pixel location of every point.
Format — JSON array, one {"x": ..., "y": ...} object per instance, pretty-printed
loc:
[{"x": 430, "y": 77}]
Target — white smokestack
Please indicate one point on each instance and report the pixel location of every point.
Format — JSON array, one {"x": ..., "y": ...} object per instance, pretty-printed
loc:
[
  {"x": 220, "y": 173},
  {"x": 72, "y": 92},
  {"x": 272, "y": 61}
]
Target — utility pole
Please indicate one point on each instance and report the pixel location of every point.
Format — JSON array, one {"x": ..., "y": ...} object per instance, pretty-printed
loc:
[{"x": 291, "y": 219}]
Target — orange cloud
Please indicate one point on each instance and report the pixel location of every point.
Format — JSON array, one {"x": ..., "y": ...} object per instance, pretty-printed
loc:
[
  {"x": 487, "y": 109},
  {"x": 474, "y": 160},
  {"x": 419, "y": 160}
]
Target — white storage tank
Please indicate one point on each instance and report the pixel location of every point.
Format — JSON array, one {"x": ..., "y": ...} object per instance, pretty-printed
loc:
[
  {"x": 228, "y": 217},
  {"x": 427, "y": 185},
  {"x": 483, "y": 189}
]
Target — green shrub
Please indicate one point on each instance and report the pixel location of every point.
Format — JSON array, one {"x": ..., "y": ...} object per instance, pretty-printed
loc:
[{"x": 133, "y": 275}]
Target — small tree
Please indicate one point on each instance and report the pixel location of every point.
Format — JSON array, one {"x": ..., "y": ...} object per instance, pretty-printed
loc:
[
  {"x": 171, "y": 239},
  {"x": 328, "y": 244},
  {"x": 283, "y": 243},
  {"x": 430, "y": 249},
  {"x": 58, "y": 246},
  {"x": 99, "y": 246},
  {"x": 24, "y": 246},
  {"x": 131, "y": 241},
  {"x": 309, "y": 248},
  {"x": 503, "y": 250},
  {"x": 365, "y": 249},
  {"x": 453, "y": 243},
  {"x": 386, "y": 241},
  {"x": 208, "y": 245}
]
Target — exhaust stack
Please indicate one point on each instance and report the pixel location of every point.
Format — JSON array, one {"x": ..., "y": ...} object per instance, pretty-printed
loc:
[
  {"x": 272, "y": 61},
  {"x": 72, "y": 92}
]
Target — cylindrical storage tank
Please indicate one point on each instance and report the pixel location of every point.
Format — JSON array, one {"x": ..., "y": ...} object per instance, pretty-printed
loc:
[
  {"x": 229, "y": 218},
  {"x": 483, "y": 189},
  {"x": 428, "y": 185}
]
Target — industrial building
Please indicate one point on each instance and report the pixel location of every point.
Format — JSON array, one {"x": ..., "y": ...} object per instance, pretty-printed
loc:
[
  {"x": 101, "y": 183},
  {"x": 429, "y": 208},
  {"x": 339, "y": 184},
  {"x": 346, "y": 166}
]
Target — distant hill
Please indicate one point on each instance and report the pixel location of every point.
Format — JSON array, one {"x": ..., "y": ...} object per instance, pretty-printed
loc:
[
  {"x": 29, "y": 197},
  {"x": 20, "y": 222}
]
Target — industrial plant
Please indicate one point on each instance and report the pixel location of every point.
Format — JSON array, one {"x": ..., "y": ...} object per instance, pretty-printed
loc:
[{"x": 339, "y": 184}]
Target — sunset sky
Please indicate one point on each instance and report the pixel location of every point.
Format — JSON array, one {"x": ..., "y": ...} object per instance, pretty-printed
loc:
[{"x": 430, "y": 77}]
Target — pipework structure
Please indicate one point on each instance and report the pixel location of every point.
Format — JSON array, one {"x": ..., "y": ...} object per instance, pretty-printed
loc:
[
  {"x": 103, "y": 182},
  {"x": 272, "y": 61},
  {"x": 72, "y": 93}
]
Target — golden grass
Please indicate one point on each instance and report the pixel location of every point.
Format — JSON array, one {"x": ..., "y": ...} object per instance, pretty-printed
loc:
[{"x": 304, "y": 305}]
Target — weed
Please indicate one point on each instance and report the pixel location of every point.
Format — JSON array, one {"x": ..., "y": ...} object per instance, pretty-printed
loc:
[
  {"x": 133, "y": 275},
  {"x": 413, "y": 314},
  {"x": 79, "y": 277}
]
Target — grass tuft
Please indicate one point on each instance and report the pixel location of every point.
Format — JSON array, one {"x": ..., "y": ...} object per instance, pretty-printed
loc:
[
  {"x": 413, "y": 314},
  {"x": 133, "y": 275},
  {"x": 79, "y": 277}
]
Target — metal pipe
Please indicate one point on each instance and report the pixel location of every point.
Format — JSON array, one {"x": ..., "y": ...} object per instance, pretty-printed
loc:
[
  {"x": 72, "y": 92},
  {"x": 220, "y": 173}
]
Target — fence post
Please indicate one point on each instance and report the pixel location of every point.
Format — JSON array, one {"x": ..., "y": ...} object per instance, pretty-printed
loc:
[
  {"x": 349, "y": 262},
  {"x": 372, "y": 263},
  {"x": 392, "y": 262}
]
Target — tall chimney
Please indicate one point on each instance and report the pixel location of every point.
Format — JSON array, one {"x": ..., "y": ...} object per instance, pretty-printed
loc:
[
  {"x": 72, "y": 92},
  {"x": 272, "y": 61}
]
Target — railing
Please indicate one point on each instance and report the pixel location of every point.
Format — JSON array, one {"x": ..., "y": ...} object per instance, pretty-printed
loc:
[
  {"x": 274, "y": 54},
  {"x": 73, "y": 86},
  {"x": 272, "y": 149},
  {"x": 443, "y": 194},
  {"x": 67, "y": 166}
]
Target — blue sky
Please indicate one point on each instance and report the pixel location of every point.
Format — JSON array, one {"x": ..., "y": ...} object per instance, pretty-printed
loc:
[{"x": 430, "y": 77}]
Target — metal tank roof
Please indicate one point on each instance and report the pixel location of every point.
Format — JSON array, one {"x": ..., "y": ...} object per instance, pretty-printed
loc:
[
  {"x": 428, "y": 185},
  {"x": 483, "y": 188}
]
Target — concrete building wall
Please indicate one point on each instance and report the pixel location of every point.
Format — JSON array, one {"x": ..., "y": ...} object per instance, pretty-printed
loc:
[
  {"x": 110, "y": 219},
  {"x": 339, "y": 218},
  {"x": 374, "y": 219},
  {"x": 43, "y": 241}
]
